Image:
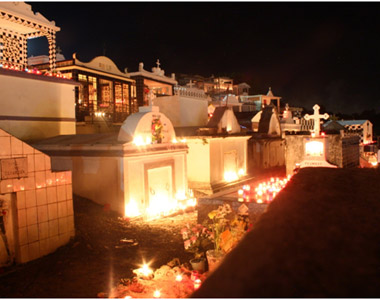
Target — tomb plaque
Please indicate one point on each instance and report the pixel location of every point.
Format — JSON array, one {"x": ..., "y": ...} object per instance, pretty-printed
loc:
[{"x": 14, "y": 168}]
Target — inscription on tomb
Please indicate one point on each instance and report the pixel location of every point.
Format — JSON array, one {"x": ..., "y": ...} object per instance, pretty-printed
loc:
[{"x": 14, "y": 168}]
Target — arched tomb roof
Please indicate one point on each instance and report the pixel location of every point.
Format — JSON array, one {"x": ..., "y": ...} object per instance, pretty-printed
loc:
[{"x": 148, "y": 126}]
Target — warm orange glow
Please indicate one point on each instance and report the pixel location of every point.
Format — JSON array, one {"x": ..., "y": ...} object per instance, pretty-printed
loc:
[
  {"x": 131, "y": 210},
  {"x": 230, "y": 176},
  {"x": 314, "y": 148},
  {"x": 178, "y": 278},
  {"x": 157, "y": 294}
]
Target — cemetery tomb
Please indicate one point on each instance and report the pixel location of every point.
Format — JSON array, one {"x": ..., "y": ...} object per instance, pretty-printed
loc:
[
  {"x": 139, "y": 172},
  {"x": 36, "y": 206}
]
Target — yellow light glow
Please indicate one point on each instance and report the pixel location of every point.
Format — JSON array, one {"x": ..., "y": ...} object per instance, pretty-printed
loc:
[
  {"x": 240, "y": 192},
  {"x": 138, "y": 140},
  {"x": 148, "y": 140},
  {"x": 178, "y": 278},
  {"x": 131, "y": 209},
  {"x": 314, "y": 148},
  {"x": 157, "y": 294},
  {"x": 230, "y": 176},
  {"x": 145, "y": 270},
  {"x": 241, "y": 172},
  {"x": 183, "y": 140},
  {"x": 374, "y": 163},
  {"x": 174, "y": 141}
]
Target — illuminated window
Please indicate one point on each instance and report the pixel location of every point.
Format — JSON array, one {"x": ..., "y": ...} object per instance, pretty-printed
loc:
[{"x": 106, "y": 97}]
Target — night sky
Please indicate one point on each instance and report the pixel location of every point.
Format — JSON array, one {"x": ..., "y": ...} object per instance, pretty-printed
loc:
[{"x": 325, "y": 53}]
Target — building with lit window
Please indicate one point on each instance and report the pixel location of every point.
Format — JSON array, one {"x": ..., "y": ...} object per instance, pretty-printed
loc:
[
  {"x": 154, "y": 82},
  {"x": 104, "y": 92}
]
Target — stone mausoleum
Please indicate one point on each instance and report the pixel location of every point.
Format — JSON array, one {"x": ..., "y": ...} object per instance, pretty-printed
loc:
[{"x": 140, "y": 171}]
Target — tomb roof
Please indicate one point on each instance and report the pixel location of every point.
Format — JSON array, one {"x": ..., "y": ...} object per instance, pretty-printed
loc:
[
  {"x": 156, "y": 74},
  {"x": 352, "y": 122}
]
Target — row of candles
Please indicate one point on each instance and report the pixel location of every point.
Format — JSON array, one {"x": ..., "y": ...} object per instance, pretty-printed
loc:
[
  {"x": 264, "y": 192},
  {"x": 145, "y": 272},
  {"x": 32, "y": 71}
]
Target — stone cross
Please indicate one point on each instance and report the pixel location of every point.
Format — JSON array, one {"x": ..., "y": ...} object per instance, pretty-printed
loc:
[
  {"x": 190, "y": 84},
  {"x": 316, "y": 117}
]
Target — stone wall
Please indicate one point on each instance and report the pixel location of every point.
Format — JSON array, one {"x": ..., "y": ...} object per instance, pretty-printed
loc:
[{"x": 342, "y": 151}]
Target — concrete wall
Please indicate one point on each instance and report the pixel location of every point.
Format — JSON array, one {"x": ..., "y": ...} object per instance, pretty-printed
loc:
[
  {"x": 35, "y": 107},
  {"x": 340, "y": 151},
  {"x": 177, "y": 109},
  {"x": 265, "y": 153},
  {"x": 40, "y": 204},
  {"x": 206, "y": 159}
]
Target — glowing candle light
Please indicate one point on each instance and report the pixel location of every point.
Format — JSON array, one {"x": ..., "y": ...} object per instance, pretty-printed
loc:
[
  {"x": 157, "y": 294},
  {"x": 197, "y": 284},
  {"x": 178, "y": 278}
]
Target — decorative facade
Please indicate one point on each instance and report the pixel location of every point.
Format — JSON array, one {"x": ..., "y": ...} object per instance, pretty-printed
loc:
[
  {"x": 104, "y": 91},
  {"x": 18, "y": 23}
]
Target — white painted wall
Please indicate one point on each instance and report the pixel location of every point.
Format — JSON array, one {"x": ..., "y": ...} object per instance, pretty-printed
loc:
[
  {"x": 34, "y": 96},
  {"x": 183, "y": 111}
]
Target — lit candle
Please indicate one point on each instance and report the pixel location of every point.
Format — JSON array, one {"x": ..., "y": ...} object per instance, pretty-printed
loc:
[
  {"x": 157, "y": 294},
  {"x": 178, "y": 278},
  {"x": 197, "y": 284}
]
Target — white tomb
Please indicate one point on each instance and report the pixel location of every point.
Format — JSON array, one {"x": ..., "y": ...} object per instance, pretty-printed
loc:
[
  {"x": 315, "y": 146},
  {"x": 36, "y": 206},
  {"x": 140, "y": 171}
]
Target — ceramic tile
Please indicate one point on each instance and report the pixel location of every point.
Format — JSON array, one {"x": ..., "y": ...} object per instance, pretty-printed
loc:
[
  {"x": 24, "y": 254},
  {"x": 43, "y": 230},
  {"x": 21, "y": 216},
  {"x": 40, "y": 178},
  {"x": 68, "y": 177},
  {"x": 70, "y": 224},
  {"x": 64, "y": 238},
  {"x": 51, "y": 193},
  {"x": 50, "y": 178},
  {"x": 69, "y": 191},
  {"x": 44, "y": 247},
  {"x": 30, "y": 183},
  {"x": 5, "y": 146},
  {"x": 54, "y": 243},
  {"x": 42, "y": 213},
  {"x": 52, "y": 211},
  {"x": 30, "y": 158},
  {"x": 4, "y": 133},
  {"x": 16, "y": 146},
  {"x": 23, "y": 236},
  {"x": 6, "y": 186},
  {"x": 32, "y": 233},
  {"x": 53, "y": 227},
  {"x": 60, "y": 178},
  {"x": 41, "y": 197},
  {"x": 34, "y": 251},
  {"x": 70, "y": 208},
  {"x": 39, "y": 162},
  {"x": 31, "y": 216},
  {"x": 20, "y": 202},
  {"x": 18, "y": 185},
  {"x": 30, "y": 198},
  {"x": 47, "y": 162},
  {"x": 61, "y": 193},
  {"x": 62, "y": 209},
  {"x": 62, "y": 225},
  {"x": 27, "y": 149}
]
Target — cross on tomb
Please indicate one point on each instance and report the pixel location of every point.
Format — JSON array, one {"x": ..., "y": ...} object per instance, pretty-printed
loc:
[
  {"x": 316, "y": 117},
  {"x": 190, "y": 84}
]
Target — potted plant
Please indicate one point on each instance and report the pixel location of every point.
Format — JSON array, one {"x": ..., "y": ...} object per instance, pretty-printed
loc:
[{"x": 197, "y": 240}]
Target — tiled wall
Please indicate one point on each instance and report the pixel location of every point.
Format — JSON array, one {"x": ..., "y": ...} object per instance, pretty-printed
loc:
[{"x": 45, "y": 216}]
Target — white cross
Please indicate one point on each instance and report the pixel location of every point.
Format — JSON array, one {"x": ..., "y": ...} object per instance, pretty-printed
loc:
[
  {"x": 158, "y": 63},
  {"x": 190, "y": 84},
  {"x": 316, "y": 117}
]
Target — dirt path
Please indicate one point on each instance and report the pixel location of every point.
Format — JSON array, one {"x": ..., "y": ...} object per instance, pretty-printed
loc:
[{"x": 96, "y": 259}]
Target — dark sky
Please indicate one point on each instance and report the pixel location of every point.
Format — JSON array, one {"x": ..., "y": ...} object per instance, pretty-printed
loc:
[{"x": 312, "y": 52}]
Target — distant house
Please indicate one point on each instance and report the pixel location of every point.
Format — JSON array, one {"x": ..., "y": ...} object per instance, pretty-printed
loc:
[{"x": 362, "y": 128}]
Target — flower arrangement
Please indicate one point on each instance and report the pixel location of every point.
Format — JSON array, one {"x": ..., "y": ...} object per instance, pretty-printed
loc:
[
  {"x": 227, "y": 228},
  {"x": 197, "y": 239}
]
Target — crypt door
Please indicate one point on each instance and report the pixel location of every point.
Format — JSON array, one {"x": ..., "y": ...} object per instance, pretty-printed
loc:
[{"x": 160, "y": 190}]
